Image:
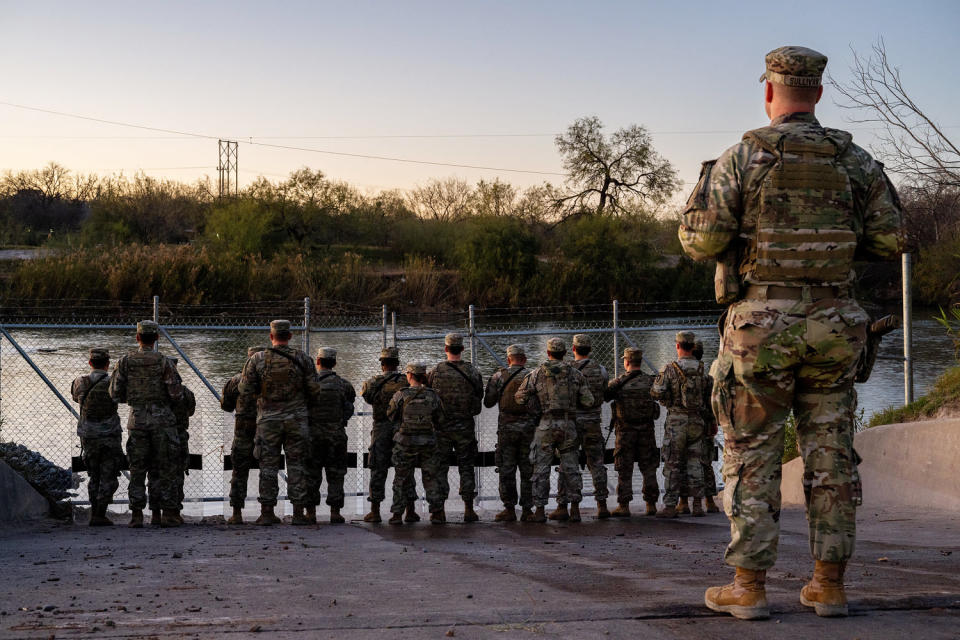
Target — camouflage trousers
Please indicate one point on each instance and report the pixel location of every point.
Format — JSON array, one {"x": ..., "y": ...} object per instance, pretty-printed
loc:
[
  {"x": 290, "y": 435},
  {"x": 681, "y": 453},
  {"x": 777, "y": 356},
  {"x": 155, "y": 450},
  {"x": 241, "y": 456},
  {"x": 636, "y": 445},
  {"x": 381, "y": 457},
  {"x": 560, "y": 436},
  {"x": 182, "y": 464},
  {"x": 709, "y": 475},
  {"x": 327, "y": 452},
  {"x": 513, "y": 454},
  {"x": 408, "y": 454},
  {"x": 461, "y": 440},
  {"x": 590, "y": 438},
  {"x": 103, "y": 456}
]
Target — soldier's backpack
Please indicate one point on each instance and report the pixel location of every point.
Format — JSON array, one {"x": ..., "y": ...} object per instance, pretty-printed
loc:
[
  {"x": 97, "y": 403},
  {"x": 462, "y": 396},
  {"x": 559, "y": 396},
  {"x": 594, "y": 374},
  {"x": 327, "y": 406},
  {"x": 384, "y": 391},
  {"x": 283, "y": 377},
  {"x": 691, "y": 387},
  {"x": 634, "y": 404},
  {"x": 145, "y": 383},
  {"x": 417, "y": 412},
  {"x": 229, "y": 395},
  {"x": 508, "y": 392}
]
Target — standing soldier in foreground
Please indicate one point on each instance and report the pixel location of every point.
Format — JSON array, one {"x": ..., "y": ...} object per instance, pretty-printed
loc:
[
  {"x": 244, "y": 431},
  {"x": 555, "y": 390},
  {"x": 784, "y": 213},
  {"x": 589, "y": 429},
  {"x": 634, "y": 412},
  {"x": 681, "y": 388},
  {"x": 377, "y": 391},
  {"x": 148, "y": 381},
  {"x": 515, "y": 427},
  {"x": 281, "y": 378},
  {"x": 418, "y": 410},
  {"x": 100, "y": 434},
  {"x": 330, "y": 409},
  {"x": 182, "y": 410},
  {"x": 706, "y": 457},
  {"x": 460, "y": 387}
]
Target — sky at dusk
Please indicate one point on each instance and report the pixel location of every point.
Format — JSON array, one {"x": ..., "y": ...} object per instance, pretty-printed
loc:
[{"x": 470, "y": 83}]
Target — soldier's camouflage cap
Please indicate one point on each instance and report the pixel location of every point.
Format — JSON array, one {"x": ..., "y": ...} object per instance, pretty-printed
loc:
[
  {"x": 276, "y": 326},
  {"x": 99, "y": 352},
  {"x": 685, "y": 336},
  {"x": 515, "y": 350},
  {"x": 582, "y": 340},
  {"x": 633, "y": 354},
  {"x": 390, "y": 353},
  {"x": 556, "y": 345},
  {"x": 795, "y": 67},
  {"x": 253, "y": 350},
  {"x": 453, "y": 340},
  {"x": 327, "y": 353},
  {"x": 416, "y": 367},
  {"x": 148, "y": 327}
]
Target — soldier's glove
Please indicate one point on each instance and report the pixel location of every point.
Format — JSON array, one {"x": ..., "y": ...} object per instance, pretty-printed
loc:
[{"x": 875, "y": 333}]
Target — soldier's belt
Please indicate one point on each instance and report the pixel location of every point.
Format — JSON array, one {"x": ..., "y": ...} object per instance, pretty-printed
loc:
[{"x": 776, "y": 292}]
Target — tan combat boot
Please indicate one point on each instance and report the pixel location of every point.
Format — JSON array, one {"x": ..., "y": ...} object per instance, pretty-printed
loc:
[
  {"x": 335, "y": 517},
  {"x": 526, "y": 514},
  {"x": 237, "y": 517},
  {"x": 170, "y": 518},
  {"x": 712, "y": 506},
  {"x": 560, "y": 513},
  {"x": 99, "y": 516},
  {"x": 267, "y": 517},
  {"x": 374, "y": 515},
  {"x": 651, "y": 509},
  {"x": 310, "y": 513},
  {"x": 509, "y": 514},
  {"x": 438, "y": 517},
  {"x": 395, "y": 518},
  {"x": 697, "y": 511},
  {"x": 539, "y": 515},
  {"x": 622, "y": 510},
  {"x": 136, "y": 519},
  {"x": 469, "y": 515},
  {"x": 825, "y": 591},
  {"x": 744, "y": 598},
  {"x": 668, "y": 511},
  {"x": 411, "y": 515},
  {"x": 299, "y": 517},
  {"x": 575, "y": 512},
  {"x": 602, "y": 511},
  {"x": 683, "y": 506},
  {"x": 156, "y": 517}
]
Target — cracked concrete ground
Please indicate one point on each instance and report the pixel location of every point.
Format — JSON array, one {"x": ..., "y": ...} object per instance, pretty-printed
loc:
[{"x": 611, "y": 578}]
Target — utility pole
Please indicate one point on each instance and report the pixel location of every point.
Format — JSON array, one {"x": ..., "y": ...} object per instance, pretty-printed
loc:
[{"x": 227, "y": 168}]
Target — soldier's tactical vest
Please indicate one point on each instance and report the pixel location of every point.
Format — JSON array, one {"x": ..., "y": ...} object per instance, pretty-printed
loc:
[
  {"x": 97, "y": 404},
  {"x": 282, "y": 378},
  {"x": 508, "y": 395},
  {"x": 145, "y": 379},
  {"x": 805, "y": 230},
  {"x": 557, "y": 386},
  {"x": 184, "y": 408},
  {"x": 327, "y": 405},
  {"x": 452, "y": 383},
  {"x": 634, "y": 404},
  {"x": 417, "y": 412},
  {"x": 591, "y": 371},
  {"x": 387, "y": 387},
  {"x": 691, "y": 389}
]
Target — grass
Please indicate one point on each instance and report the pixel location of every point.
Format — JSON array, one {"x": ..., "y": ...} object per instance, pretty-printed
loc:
[{"x": 942, "y": 399}]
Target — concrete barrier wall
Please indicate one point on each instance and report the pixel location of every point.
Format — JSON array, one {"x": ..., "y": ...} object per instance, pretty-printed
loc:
[
  {"x": 18, "y": 500},
  {"x": 913, "y": 464}
]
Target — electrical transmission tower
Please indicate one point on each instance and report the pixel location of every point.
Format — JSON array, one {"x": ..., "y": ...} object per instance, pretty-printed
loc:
[{"x": 229, "y": 184}]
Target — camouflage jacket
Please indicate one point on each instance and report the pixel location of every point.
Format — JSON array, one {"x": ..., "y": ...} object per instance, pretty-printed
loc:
[
  {"x": 230, "y": 400},
  {"x": 556, "y": 390},
  {"x": 633, "y": 406},
  {"x": 331, "y": 410},
  {"x": 667, "y": 388},
  {"x": 375, "y": 391},
  {"x": 89, "y": 426},
  {"x": 597, "y": 378},
  {"x": 290, "y": 374},
  {"x": 460, "y": 387},
  {"x": 722, "y": 214},
  {"x": 432, "y": 413},
  {"x": 501, "y": 391},
  {"x": 152, "y": 415}
]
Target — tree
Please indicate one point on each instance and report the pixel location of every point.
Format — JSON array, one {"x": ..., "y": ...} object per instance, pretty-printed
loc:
[
  {"x": 442, "y": 200},
  {"x": 494, "y": 198},
  {"x": 619, "y": 174}
]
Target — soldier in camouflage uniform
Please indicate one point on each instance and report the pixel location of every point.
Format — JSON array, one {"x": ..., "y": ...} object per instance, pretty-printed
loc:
[
  {"x": 460, "y": 387},
  {"x": 182, "y": 409},
  {"x": 681, "y": 388},
  {"x": 633, "y": 413},
  {"x": 100, "y": 434},
  {"x": 555, "y": 391},
  {"x": 330, "y": 410},
  {"x": 281, "y": 379},
  {"x": 515, "y": 427},
  {"x": 706, "y": 459},
  {"x": 785, "y": 212},
  {"x": 419, "y": 412},
  {"x": 244, "y": 431},
  {"x": 148, "y": 381},
  {"x": 377, "y": 391},
  {"x": 589, "y": 431}
]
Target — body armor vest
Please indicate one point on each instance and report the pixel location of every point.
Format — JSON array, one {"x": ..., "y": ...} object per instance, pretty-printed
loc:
[
  {"x": 458, "y": 393},
  {"x": 557, "y": 393},
  {"x": 806, "y": 232},
  {"x": 508, "y": 395},
  {"x": 592, "y": 372},
  {"x": 634, "y": 404},
  {"x": 97, "y": 404},
  {"x": 387, "y": 387},
  {"x": 691, "y": 388},
  {"x": 327, "y": 405},
  {"x": 282, "y": 378},
  {"x": 145, "y": 383},
  {"x": 417, "y": 412}
]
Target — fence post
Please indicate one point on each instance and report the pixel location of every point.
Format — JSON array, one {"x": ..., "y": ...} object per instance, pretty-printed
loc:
[
  {"x": 473, "y": 356},
  {"x": 393, "y": 324},
  {"x": 383, "y": 322},
  {"x": 616, "y": 343},
  {"x": 306, "y": 326},
  {"x": 156, "y": 318},
  {"x": 907, "y": 331}
]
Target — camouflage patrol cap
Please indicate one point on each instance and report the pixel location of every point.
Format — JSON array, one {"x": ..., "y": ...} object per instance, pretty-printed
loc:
[
  {"x": 416, "y": 368},
  {"x": 685, "y": 336},
  {"x": 515, "y": 350},
  {"x": 453, "y": 340},
  {"x": 99, "y": 352},
  {"x": 582, "y": 340},
  {"x": 556, "y": 345},
  {"x": 148, "y": 327},
  {"x": 795, "y": 67},
  {"x": 327, "y": 353},
  {"x": 391, "y": 353},
  {"x": 276, "y": 326},
  {"x": 633, "y": 354},
  {"x": 253, "y": 350}
]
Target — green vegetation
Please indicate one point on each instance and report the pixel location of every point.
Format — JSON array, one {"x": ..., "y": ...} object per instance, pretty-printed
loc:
[{"x": 942, "y": 400}]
